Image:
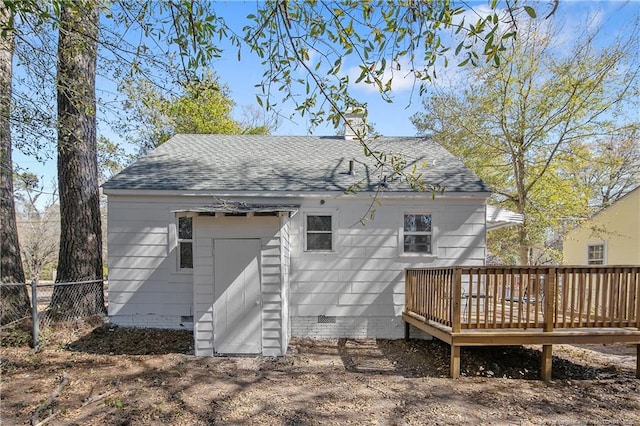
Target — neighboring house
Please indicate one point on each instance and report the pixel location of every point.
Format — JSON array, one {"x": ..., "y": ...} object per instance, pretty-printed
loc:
[
  {"x": 250, "y": 240},
  {"x": 611, "y": 237}
]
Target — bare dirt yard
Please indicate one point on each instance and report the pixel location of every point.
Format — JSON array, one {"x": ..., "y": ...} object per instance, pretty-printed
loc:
[{"x": 115, "y": 376}]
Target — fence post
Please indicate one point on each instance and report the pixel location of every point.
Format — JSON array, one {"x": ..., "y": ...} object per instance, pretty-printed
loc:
[
  {"x": 34, "y": 314},
  {"x": 550, "y": 282}
]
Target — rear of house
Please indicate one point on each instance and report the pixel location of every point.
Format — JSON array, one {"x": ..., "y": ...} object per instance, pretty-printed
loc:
[{"x": 249, "y": 240}]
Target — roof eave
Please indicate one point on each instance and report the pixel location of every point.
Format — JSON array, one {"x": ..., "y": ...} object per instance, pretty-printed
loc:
[{"x": 296, "y": 194}]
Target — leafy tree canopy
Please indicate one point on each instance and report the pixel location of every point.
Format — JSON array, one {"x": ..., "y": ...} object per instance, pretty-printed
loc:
[
  {"x": 202, "y": 106},
  {"x": 531, "y": 126},
  {"x": 305, "y": 47}
]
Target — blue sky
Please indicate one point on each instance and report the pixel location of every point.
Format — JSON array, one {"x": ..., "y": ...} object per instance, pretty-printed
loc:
[{"x": 391, "y": 119}]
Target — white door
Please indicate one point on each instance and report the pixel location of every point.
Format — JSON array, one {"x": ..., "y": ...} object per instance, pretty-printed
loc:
[{"x": 237, "y": 306}]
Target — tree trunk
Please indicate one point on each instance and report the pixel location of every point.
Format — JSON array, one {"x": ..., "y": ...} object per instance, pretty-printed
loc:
[
  {"x": 80, "y": 256},
  {"x": 14, "y": 300},
  {"x": 519, "y": 173},
  {"x": 523, "y": 233},
  {"x": 524, "y": 247}
]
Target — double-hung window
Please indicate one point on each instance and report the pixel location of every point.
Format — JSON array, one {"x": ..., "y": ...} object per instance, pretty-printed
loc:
[
  {"x": 595, "y": 254},
  {"x": 185, "y": 242},
  {"x": 418, "y": 233},
  {"x": 319, "y": 232}
]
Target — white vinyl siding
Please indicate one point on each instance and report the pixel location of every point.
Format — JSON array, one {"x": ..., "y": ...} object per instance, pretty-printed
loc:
[
  {"x": 359, "y": 284},
  {"x": 144, "y": 290},
  {"x": 285, "y": 278}
]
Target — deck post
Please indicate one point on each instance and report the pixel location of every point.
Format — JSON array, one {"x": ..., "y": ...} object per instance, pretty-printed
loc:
[
  {"x": 638, "y": 361},
  {"x": 549, "y": 298},
  {"x": 547, "y": 351},
  {"x": 456, "y": 299},
  {"x": 455, "y": 361},
  {"x": 407, "y": 331}
]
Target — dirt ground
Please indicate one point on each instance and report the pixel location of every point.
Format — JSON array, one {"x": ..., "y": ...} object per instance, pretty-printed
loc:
[{"x": 119, "y": 376}]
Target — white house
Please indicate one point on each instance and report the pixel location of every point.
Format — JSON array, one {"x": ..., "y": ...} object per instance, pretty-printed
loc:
[{"x": 250, "y": 240}]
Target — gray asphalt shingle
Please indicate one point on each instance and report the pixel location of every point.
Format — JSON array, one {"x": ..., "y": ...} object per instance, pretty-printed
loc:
[{"x": 288, "y": 163}]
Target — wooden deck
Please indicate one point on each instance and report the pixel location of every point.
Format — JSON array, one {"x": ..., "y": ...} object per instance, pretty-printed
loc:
[{"x": 484, "y": 306}]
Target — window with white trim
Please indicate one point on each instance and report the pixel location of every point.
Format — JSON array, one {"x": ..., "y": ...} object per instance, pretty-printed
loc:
[
  {"x": 417, "y": 233},
  {"x": 185, "y": 242},
  {"x": 319, "y": 232},
  {"x": 595, "y": 254}
]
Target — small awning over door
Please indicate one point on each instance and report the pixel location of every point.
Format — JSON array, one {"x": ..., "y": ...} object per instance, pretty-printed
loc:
[
  {"x": 498, "y": 217},
  {"x": 239, "y": 207}
]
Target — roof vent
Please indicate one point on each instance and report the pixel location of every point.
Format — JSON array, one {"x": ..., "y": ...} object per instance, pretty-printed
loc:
[{"x": 355, "y": 126}]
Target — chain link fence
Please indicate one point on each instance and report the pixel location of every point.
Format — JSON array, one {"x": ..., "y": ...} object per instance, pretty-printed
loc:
[{"x": 38, "y": 312}]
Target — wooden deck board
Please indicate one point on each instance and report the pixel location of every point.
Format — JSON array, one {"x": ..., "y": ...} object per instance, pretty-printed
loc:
[{"x": 520, "y": 336}]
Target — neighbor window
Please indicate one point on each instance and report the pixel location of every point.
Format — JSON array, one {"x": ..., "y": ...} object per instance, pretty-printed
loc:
[
  {"x": 595, "y": 254},
  {"x": 185, "y": 242},
  {"x": 319, "y": 233},
  {"x": 417, "y": 236}
]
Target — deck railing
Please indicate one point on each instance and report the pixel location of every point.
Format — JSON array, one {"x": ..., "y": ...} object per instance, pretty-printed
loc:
[{"x": 525, "y": 297}]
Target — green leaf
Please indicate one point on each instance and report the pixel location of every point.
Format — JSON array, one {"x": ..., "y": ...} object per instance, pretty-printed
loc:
[{"x": 530, "y": 11}]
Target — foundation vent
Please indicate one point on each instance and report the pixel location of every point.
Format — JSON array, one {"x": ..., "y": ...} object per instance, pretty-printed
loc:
[{"x": 323, "y": 319}]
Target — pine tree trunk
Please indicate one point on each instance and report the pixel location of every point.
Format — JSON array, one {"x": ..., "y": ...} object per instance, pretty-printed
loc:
[
  {"x": 14, "y": 300},
  {"x": 80, "y": 257}
]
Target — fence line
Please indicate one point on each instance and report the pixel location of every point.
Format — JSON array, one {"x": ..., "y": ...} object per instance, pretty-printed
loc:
[{"x": 50, "y": 303}]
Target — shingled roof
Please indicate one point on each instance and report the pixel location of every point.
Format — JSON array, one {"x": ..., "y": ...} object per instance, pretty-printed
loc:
[{"x": 288, "y": 163}]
